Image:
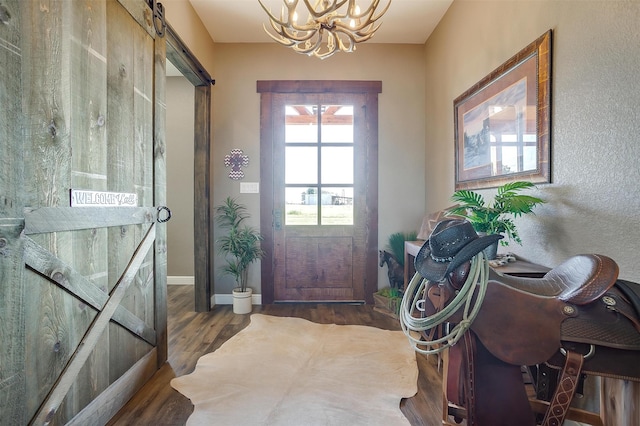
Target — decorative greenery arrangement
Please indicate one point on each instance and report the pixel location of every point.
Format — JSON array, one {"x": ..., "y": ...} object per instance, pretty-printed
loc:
[
  {"x": 242, "y": 243},
  {"x": 390, "y": 292},
  {"x": 389, "y": 299},
  {"x": 495, "y": 218},
  {"x": 396, "y": 244}
]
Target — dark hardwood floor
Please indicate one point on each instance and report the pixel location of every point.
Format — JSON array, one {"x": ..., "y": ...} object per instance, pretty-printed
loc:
[{"x": 192, "y": 335}]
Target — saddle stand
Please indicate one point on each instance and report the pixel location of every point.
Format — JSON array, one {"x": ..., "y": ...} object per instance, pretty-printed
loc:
[{"x": 577, "y": 320}]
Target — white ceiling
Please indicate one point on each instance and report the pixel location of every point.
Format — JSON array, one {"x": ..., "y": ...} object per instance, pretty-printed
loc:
[{"x": 240, "y": 21}]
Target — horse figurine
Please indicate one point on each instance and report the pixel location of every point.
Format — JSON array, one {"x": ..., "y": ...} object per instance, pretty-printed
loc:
[
  {"x": 395, "y": 270},
  {"x": 579, "y": 319}
]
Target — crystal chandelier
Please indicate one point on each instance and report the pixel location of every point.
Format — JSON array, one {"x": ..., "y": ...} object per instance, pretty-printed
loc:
[{"x": 331, "y": 26}]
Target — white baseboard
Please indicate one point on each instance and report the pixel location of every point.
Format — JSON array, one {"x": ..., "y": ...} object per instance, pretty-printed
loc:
[
  {"x": 217, "y": 299},
  {"x": 180, "y": 280},
  {"x": 227, "y": 299}
]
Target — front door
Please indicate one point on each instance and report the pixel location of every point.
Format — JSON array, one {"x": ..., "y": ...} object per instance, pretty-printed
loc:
[
  {"x": 82, "y": 249},
  {"x": 320, "y": 237}
]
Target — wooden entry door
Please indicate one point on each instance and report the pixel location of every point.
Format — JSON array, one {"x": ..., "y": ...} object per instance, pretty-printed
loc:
[
  {"x": 82, "y": 277},
  {"x": 322, "y": 195}
]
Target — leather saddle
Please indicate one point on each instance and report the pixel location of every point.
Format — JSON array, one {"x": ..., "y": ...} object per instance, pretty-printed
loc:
[{"x": 577, "y": 319}]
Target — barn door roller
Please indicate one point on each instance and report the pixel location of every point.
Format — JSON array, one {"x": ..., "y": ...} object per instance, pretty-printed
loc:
[{"x": 159, "y": 22}]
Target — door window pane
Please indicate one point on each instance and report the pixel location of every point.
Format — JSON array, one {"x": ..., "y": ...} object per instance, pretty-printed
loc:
[
  {"x": 301, "y": 165},
  {"x": 301, "y": 124},
  {"x": 337, "y": 206},
  {"x": 337, "y": 123},
  {"x": 337, "y": 165},
  {"x": 301, "y": 206}
]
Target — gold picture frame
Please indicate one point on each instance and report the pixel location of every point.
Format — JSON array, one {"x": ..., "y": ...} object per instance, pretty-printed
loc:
[{"x": 502, "y": 123}]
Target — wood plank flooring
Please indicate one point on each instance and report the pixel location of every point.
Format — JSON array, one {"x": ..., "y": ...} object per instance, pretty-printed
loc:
[{"x": 193, "y": 334}]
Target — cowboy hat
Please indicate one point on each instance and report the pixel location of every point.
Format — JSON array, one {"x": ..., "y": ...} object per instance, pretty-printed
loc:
[{"x": 451, "y": 243}]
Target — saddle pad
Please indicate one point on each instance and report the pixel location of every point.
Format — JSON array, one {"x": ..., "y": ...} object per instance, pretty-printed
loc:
[
  {"x": 631, "y": 291},
  {"x": 616, "y": 338},
  {"x": 597, "y": 323}
]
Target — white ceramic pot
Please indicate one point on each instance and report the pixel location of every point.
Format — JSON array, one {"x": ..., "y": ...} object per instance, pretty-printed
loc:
[
  {"x": 242, "y": 301},
  {"x": 491, "y": 252}
]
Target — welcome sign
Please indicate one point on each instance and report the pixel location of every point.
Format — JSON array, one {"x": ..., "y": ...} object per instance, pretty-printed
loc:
[{"x": 83, "y": 198}]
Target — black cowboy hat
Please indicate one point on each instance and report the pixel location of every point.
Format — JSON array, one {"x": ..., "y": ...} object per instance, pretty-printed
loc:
[{"x": 451, "y": 243}]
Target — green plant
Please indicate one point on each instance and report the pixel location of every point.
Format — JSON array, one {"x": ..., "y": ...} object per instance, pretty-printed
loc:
[
  {"x": 241, "y": 244},
  {"x": 390, "y": 292},
  {"x": 496, "y": 218},
  {"x": 396, "y": 244},
  {"x": 392, "y": 298}
]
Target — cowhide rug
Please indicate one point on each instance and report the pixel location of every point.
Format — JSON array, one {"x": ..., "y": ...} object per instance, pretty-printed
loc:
[{"x": 290, "y": 371}]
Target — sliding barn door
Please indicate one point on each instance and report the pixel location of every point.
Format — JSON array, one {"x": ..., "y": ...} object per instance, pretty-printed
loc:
[{"x": 82, "y": 177}]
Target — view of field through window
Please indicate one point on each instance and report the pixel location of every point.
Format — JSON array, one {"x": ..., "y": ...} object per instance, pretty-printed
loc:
[{"x": 319, "y": 165}]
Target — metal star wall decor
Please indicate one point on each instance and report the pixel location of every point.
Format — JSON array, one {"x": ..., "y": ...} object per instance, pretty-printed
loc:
[{"x": 236, "y": 160}]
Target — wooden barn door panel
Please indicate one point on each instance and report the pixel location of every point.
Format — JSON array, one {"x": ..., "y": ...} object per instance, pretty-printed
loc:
[
  {"x": 54, "y": 324},
  {"x": 12, "y": 316},
  {"x": 82, "y": 289},
  {"x": 64, "y": 400},
  {"x": 129, "y": 169}
]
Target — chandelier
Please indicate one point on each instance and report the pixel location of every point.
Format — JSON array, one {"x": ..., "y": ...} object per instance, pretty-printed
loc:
[{"x": 331, "y": 26}]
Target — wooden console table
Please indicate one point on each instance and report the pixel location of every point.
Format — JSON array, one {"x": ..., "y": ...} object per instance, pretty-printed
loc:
[{"x": 519, "y": 268}]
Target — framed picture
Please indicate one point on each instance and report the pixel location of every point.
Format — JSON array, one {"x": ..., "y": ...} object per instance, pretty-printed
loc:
[{"x": 502, "y": 123}]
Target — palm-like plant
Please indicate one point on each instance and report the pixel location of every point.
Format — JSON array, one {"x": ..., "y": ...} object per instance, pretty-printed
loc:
[
  {"x": 396, "y": 244},
  {"x": 242, "y": 243},
  {"x": 494, "y": 218}
]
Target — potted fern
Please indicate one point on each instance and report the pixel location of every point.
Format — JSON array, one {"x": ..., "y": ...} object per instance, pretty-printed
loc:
[
  {"x": 496, "y": 217},
  {"x": 241, "y": 246}
]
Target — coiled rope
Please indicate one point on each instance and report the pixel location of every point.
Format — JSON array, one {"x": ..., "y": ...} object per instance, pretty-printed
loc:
[{"x": 478, "y": 278}]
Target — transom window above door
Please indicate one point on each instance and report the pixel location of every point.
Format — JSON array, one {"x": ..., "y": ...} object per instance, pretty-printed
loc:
[{"x": 319, "y": 164}]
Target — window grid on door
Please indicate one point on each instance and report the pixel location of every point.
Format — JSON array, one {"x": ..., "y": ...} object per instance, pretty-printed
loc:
[{"x": 319, "y": 164}]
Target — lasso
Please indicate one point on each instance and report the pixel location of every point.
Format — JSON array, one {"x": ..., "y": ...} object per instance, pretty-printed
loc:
[{"x": 414, "y": 293}]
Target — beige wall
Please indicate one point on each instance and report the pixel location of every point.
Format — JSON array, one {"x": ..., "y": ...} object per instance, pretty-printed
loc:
[
  {"x": 184, "y": 20},
  {"x": 401, "y": 127},
  {"x": 179, "y": 134},
  {"x": 594, "y": 200}
]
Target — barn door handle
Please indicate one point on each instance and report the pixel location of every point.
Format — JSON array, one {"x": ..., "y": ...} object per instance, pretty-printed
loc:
[{"x": 168, "y": 216}]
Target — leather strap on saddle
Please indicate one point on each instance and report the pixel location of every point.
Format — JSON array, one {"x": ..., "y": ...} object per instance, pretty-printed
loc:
[
  {"x": 461, "y": 379},
  {"x": 470, "y": 384},
  {"x": 438, "y": 295},
  {"x": 491, "y": 391},
  {"x": 563, "y": 395}
]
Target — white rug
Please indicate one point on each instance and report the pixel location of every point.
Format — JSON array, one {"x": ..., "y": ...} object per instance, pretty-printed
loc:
[{"x": 289, "y": 371}]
